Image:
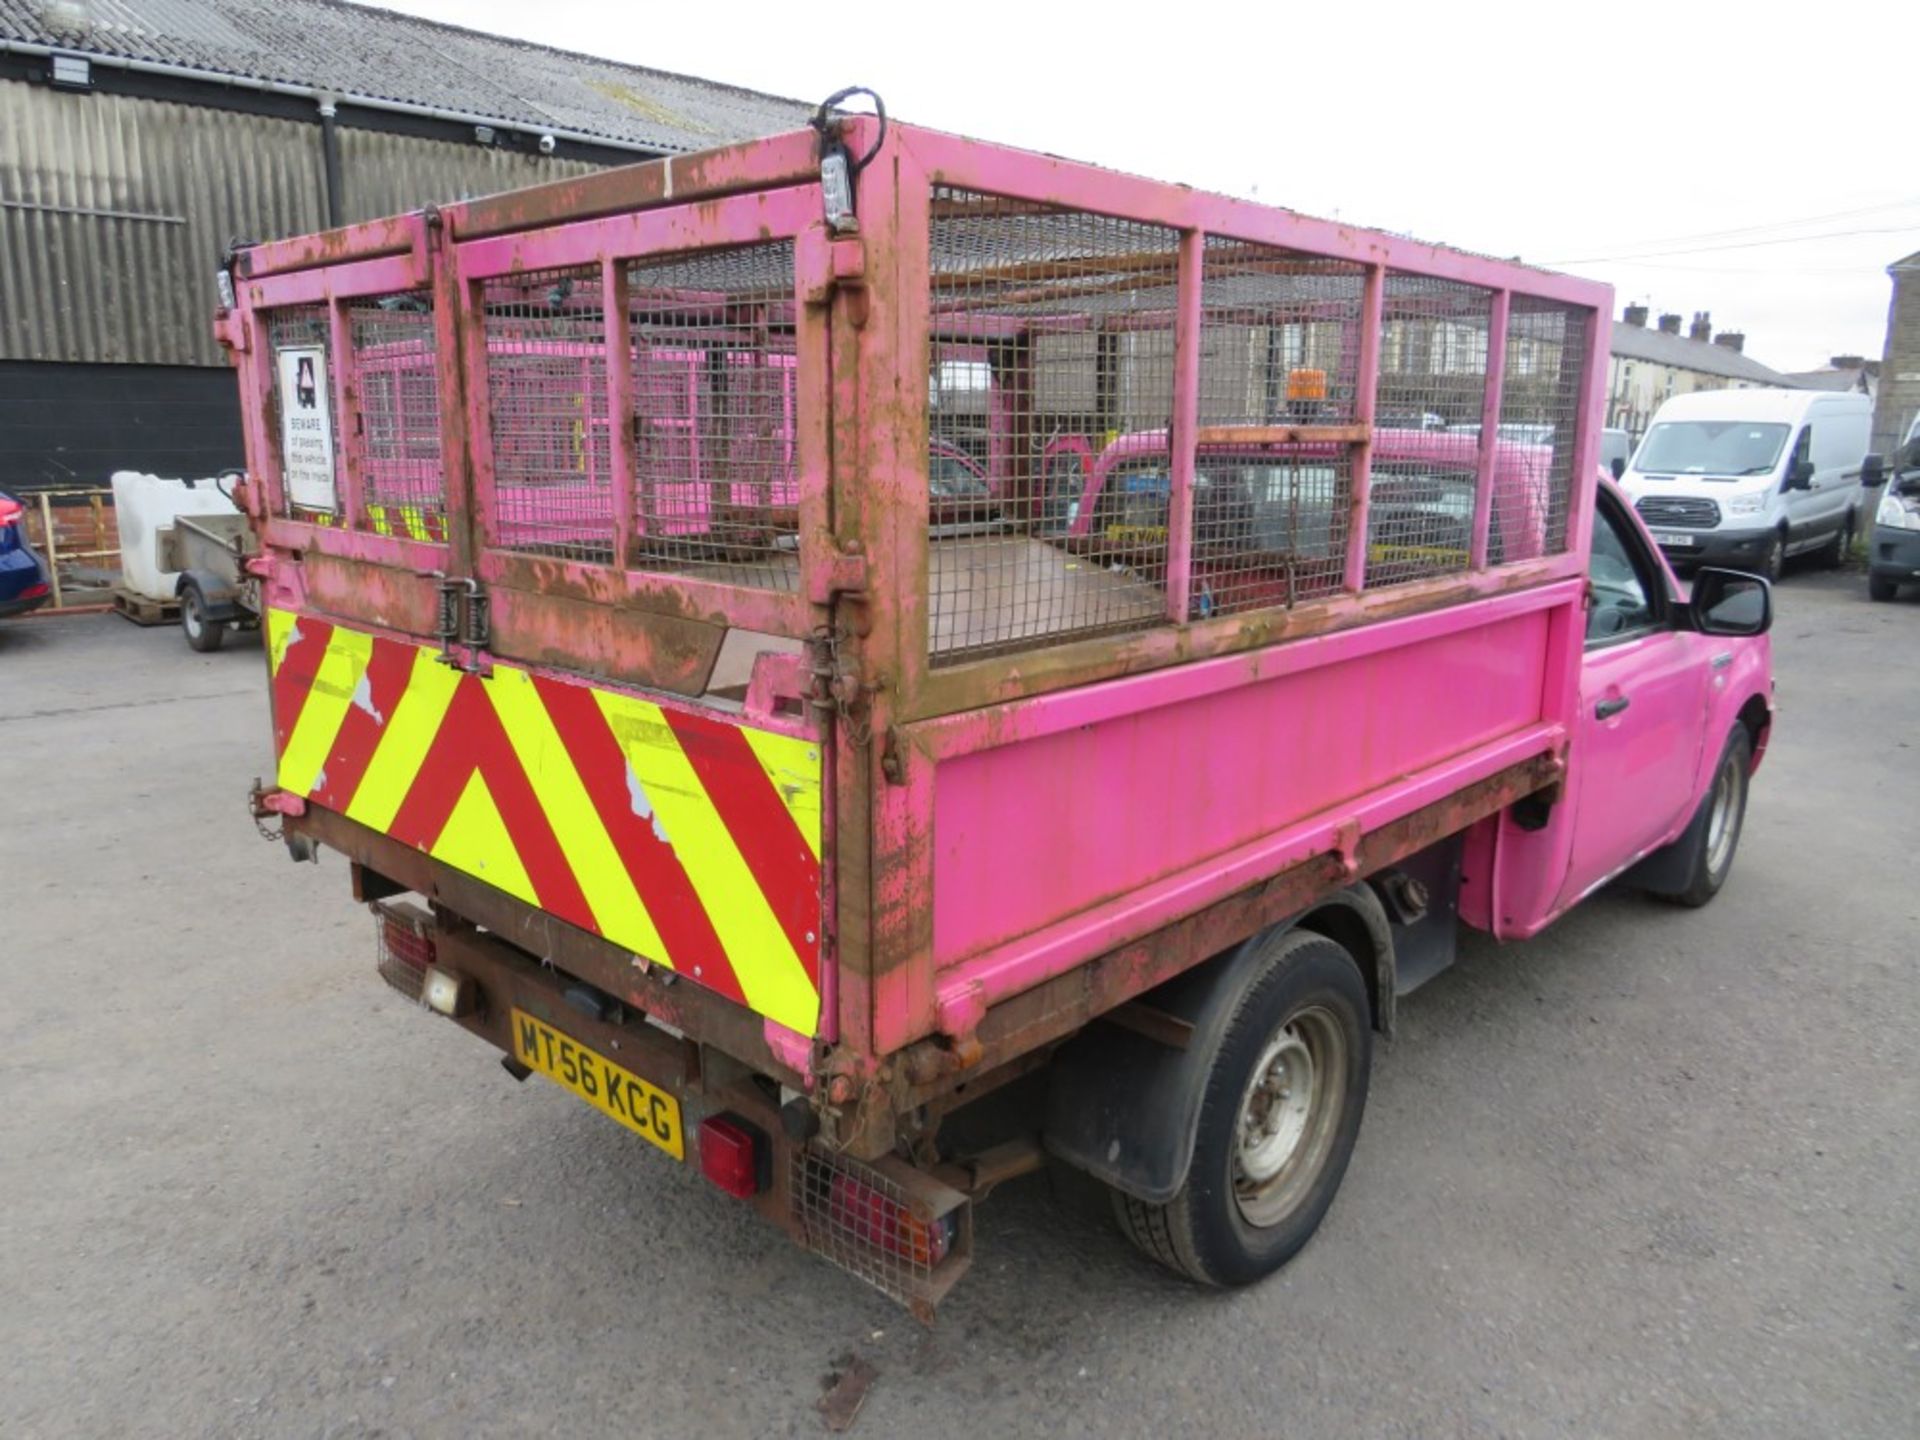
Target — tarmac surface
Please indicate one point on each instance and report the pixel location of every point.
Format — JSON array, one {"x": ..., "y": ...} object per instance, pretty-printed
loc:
[{"x": 1654, "y": 1173}]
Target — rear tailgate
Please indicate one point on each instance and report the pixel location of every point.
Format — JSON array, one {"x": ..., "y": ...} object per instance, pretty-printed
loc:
[
  {"x": 685, "y": 836},
  {"x": 532, "y": 506}
]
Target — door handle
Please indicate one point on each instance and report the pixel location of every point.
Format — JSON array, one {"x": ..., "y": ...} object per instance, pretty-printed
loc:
[{"x": 1607, "y": 709}]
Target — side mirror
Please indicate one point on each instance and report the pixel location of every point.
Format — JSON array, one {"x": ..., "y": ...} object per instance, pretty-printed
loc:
[
  {"x": 1873, "y": 471},
  {"x": 1799, "y": 475},
  {"x": 1729, "y": 602},
  {"x": 1618, "y": 466}
]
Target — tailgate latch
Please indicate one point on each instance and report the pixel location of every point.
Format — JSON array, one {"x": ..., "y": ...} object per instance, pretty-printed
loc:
[{"x": 463, "y": 618}]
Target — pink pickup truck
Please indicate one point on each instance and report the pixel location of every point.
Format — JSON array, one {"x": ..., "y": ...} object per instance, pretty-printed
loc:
[{"x": 783, "y": 755}]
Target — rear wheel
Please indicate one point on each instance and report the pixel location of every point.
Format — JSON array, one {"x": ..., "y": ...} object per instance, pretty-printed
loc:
[
  {"x": 1881, "y": 588},
  {"x": 1721, "y": 815},
  {"x": 1277, "y": 1125},
  {"x": 203, "y": 634}
]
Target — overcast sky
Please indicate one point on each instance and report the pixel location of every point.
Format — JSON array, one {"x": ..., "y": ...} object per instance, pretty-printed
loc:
[{"x": 1694, "y": 156}]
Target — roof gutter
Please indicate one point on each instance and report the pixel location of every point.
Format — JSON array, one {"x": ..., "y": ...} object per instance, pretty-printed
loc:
[{"x": 318, "y": 95}]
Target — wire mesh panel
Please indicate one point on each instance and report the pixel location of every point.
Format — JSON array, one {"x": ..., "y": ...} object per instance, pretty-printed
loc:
[
  {"x": 1539, "y": 411},
  {"x": 716, "y": 486},
  {"x": 1269, "y": 526},
  {"x": 547, "y": 394},
  {"x": 1280, "y": 336},
  {"x": 1279, "y": 347},
  {"x": 402, "y": 481},
  {"x": 1050, "y": 393},
  {"x": 1427, "y": 414},
  {"x": 297, "y": 336}
]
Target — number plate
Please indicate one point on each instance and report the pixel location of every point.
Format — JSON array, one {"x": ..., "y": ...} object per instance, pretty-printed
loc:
[
  {"x": 647, "y": 1110},
  {"x": 1677, "y": 539}
]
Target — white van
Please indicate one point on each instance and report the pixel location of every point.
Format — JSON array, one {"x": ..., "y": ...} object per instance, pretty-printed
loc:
[{"x": 1745, "y": 478}]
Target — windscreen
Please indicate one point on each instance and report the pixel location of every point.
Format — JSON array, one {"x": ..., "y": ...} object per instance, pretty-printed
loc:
[{"x": 1711, "y": 447}]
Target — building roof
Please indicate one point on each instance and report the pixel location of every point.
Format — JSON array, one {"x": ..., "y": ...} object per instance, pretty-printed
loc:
[
  {"x": 364, "y": 55},
  {"x": 1643, "y": 342},
  {"x": 1910, "y": 262},
  {"x": 1854, "y": 378}
]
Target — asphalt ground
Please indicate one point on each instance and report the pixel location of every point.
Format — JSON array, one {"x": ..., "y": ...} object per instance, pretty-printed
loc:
[{"x": 1651, "y": 1174}]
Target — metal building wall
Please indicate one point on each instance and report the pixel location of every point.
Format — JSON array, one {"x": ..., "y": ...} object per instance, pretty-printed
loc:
[
  {"x": 389, "y": 174},
  {"x": 114, "y": 211}
]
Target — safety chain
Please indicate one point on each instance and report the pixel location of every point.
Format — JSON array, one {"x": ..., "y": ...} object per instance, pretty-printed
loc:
[{"x": 836, "y": 685}]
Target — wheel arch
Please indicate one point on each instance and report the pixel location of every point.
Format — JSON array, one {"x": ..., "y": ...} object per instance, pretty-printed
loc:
[{"x": 1122, "y": 1106}]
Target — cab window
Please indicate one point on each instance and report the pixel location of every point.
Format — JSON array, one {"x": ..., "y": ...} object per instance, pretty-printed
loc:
[{"x": 1620, "y": 580}]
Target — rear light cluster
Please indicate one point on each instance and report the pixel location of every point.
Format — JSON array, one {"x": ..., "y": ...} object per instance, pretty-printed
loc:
[
  {"x": 405, "y": 952},
  {"x": 904, "y": 1235},
  {"x": 34, "y": 592},
  {"x": 10, "y": 512}
]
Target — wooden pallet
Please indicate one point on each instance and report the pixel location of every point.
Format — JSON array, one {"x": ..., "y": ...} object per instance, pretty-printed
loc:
[{"x": 142, "y": 611}]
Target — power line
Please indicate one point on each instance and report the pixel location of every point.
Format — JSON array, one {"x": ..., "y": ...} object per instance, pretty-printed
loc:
[
  {"x": 1773, "y": 225},
  {"x": 1740, "y": 245}
]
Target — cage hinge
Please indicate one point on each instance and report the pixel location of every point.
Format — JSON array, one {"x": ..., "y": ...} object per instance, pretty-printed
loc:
[
  {"x": 842, "y": 572},
  {"x": 828, "y": 262},
  {"x": 463, "y": 623}
]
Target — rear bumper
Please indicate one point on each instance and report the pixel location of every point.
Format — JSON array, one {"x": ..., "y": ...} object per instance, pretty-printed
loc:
[
  {"x": 1895, "y": 554},
  {"x": 827, "y": 1203},
  {"x": 21, "y": 604}
]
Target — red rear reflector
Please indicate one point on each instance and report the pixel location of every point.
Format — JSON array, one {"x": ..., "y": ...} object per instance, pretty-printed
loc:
[
  {"x": 34, "y": 592},
  {"x": 735, "y": 1156}
]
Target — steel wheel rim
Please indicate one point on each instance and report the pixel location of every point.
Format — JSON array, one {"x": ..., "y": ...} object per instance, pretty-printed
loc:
[
  {"x": 1289, "y": 1113},
  {"x": 1721, "y": 823},
  {"x": 190, "y": 615}
]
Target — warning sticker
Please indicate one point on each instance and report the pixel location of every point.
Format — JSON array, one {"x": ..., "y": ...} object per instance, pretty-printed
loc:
[{"x": 306, "y": 428}]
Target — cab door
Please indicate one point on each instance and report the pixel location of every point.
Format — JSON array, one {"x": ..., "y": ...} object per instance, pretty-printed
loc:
[{"x": 1636, "y": 746}]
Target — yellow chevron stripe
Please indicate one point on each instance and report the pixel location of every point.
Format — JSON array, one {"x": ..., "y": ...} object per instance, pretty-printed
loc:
[
  {"x": 279, "y": 627},
  {"x": 404, "y": 743},
  {"x": 664, "y": 783},
  {"x": 793, "y": 769},
  {"x": 476, "y": 841},
  {"x": 303, "y": 762},
  {"x": 596, "y": 865}
]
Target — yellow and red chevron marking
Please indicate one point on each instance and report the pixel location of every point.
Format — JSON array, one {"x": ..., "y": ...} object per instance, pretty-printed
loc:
[{"x": 679, "y": 837}]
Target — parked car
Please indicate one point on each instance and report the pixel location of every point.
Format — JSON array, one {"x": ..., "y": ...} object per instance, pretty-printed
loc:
[
  {"x": 1893, "y": 559},
  {"x": 24, "y": 582},
  {"x": 1749, "y": 477}
]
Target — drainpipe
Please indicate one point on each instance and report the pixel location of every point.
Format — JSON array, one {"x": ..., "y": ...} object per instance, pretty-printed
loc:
[{"x": 330, "y": 154}]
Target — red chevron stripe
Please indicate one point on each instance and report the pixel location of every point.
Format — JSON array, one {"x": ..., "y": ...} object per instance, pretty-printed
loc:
[
  {"x": 293, "y": 681},
  {"x": 470, "y": 738},
  {"x": 389, "y": 668},
  {"x": 658, "y": 877},
  {"x": 769, "y": 840}
]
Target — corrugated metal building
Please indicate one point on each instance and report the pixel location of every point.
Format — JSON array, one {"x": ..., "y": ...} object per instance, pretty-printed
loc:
[{"x": 139, "y": 137}]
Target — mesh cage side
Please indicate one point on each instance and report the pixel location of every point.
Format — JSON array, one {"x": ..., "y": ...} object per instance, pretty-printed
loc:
[
  {"x": 1427, "y": 415},
  {"x": 1052, "y": 337},
  {"x": 1539, "y": 413}
]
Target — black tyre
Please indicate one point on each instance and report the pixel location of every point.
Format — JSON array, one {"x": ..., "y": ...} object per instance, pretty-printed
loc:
[
  {"x": 1277, "y": 1121},
  {"x": 1879, "y": 587},
  {"x": 203, "y": 634},
  {"x": 1722, "y": 813},
  {"x": 1842, "y": 549},
  {"x": 1774, "y": 561}
]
